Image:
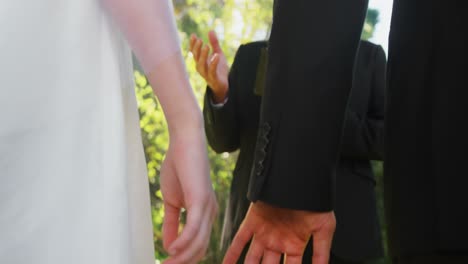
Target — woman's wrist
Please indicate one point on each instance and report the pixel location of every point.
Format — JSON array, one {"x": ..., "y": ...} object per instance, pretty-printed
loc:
[
  {"x": 186, "y": 124},
  {"x": 174, "y": 92}
]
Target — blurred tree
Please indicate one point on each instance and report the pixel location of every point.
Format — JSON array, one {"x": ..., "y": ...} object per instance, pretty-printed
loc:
[
  {"x": 372, "y": 18},
  {"x": 236, "y": 22}
]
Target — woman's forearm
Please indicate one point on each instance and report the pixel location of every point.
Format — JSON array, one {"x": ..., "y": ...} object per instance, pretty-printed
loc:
[
  {"x": 171, "y": 85},
  {"x": 150, "y": 29}
]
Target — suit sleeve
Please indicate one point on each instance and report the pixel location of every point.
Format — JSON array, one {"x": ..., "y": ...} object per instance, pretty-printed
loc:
[
  {"x": 363, "y": 135},
  {"x": 221, "y": 123},
  {"x": 311, "y": 55}
]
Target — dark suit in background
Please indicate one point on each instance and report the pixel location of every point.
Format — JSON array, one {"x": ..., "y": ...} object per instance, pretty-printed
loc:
[
  {"x": 235, "y": 125},
  {"x": 426, "y": 132}
]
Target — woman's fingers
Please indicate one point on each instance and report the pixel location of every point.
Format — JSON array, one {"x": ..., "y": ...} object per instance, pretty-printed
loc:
[
  {"x": 194, "y": 243},
  {"x": 170, "y": 228},
  {"x": 190, "y": 231}
]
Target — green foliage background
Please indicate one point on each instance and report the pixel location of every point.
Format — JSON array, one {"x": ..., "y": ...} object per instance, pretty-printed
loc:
[{"x": 236, "y": 22}]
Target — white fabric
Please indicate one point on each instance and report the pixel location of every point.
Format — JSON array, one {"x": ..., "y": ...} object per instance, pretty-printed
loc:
[{"x": 73, "y": 182}]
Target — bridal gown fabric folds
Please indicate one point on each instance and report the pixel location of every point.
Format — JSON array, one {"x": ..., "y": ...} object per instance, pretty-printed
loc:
[{"x": 73, "y": 181}]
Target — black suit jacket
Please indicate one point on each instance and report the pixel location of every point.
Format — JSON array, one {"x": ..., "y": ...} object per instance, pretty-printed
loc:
[
  {"x": 302, "y": 87},
  {"x": 426, "y": 134},
  {"x": 425, "y": 131},
  {"x": 235, "y": 125}
]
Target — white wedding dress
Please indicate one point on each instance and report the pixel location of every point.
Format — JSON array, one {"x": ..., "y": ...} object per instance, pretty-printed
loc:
[{"x": 73, "y": 182}]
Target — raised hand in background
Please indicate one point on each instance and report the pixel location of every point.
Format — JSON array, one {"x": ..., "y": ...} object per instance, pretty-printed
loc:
[{"x": 213, "y": 67}]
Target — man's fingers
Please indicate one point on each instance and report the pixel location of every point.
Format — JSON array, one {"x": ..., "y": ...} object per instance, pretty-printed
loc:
[
  {"x": 196, "y": 49},
  {"x": 193, "y": 38},
  {"x": 190, "y": 231},
  {"x": 202, "y": 62},
  {"x": 293, "y": 259},
  {"x": 255, "y": 253},
  {"x": 212, "y": 67},
  {"x": 243, "y": 236},
  {"x": 321, "y": 245},
  {"x": 214, "y": 42},
  {"x": 170, "y": 228},
  {"x": 271, "y": 257}
]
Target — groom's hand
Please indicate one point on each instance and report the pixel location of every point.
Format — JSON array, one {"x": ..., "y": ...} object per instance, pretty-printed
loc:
[{"x": 275, "y": 231}]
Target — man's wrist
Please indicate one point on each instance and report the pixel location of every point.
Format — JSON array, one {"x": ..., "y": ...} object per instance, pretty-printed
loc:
[
  {"x": 219, "y": 95},
  {"x": 218, "y": 105}
]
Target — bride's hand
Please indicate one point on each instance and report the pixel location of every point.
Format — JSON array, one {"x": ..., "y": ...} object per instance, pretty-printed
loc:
[
  {"x": 185, "y": 174},
  {"x": 185, "y": 183}
]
